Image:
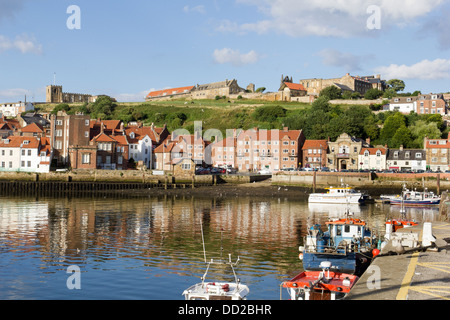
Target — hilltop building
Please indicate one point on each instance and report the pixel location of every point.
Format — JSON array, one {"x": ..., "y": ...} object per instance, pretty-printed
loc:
[
  {"x": 345, "y": 83},
  {"x": 205, "y": 91}
]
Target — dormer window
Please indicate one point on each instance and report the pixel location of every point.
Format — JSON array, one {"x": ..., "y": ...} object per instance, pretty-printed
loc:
[
  {"x": 366, "y": 153},
  {"x": 132, "y": 135},
  {"x": 378, "y": 153}
]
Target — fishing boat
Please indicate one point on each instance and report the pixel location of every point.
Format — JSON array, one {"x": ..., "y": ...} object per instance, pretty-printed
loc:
[
  {"x": 320, "y": 285},
  {"x": 348, "y": 244},
  {"x": 338, "y": 195},
  {"x": 416, "y": 198},
  {"x": 217, "y": 290}
]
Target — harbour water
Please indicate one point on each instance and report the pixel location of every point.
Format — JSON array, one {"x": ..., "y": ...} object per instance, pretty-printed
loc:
[{"x": 151, "y": 248}]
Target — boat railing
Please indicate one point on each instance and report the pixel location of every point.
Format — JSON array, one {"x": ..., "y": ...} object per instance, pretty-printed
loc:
[{"x": 327, "y": 249}]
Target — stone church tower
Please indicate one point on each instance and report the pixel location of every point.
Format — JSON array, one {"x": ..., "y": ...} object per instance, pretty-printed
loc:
[{"x": 54, "y": 94}]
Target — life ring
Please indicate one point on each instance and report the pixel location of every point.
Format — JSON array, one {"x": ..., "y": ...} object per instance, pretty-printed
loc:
[{"x": 300, "y": 256}]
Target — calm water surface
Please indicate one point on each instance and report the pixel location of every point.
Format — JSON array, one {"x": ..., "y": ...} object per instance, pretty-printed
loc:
[{"x": 151, "y": 248}]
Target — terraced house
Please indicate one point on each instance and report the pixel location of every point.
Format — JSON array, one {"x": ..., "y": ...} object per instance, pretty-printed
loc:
[
  {"x": 373, "y": 158},
  {"x": 25, "y": 154},
  {"x": 406, "y": 159},
  {"x": 437, "y": 154},
  {"x": 315, "y": 154},
  {"x": 269, "y": 149}
]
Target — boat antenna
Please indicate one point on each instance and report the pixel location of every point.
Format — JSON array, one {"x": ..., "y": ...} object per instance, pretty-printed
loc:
[{"x": 203, "y": 240}]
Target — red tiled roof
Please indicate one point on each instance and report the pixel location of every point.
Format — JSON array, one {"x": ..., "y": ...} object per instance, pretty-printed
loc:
[
  {"x": 33, "y": 127},
  {"x": 16, "y": 142},
  {"x": 295, "y": 86},
  {"x": 373, "y": 151},
  {"x": 169, "y": 92},
  {"x": 102, "y": 137},
  {"x": 315, "y": 144}
]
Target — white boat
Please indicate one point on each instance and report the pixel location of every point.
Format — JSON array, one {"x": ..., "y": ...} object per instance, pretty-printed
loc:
[
  {"x": 217, "y": 290},
  {"x": 342, "y": 195},
  {"x": 413, "y": 198}
]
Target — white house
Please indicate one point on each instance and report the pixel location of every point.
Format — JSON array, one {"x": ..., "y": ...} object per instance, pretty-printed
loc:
[
  {"x": 406, "y": 159},
  {"x": 403, "y": 104},
  {"x": 372, "y": 159},
  {"x": 13, "y": 109},
  {"x": 25, "y": 154},
  {"x": 140, "y": 149}
]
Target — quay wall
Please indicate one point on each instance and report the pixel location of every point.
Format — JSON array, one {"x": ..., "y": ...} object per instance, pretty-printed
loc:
[{"x": 432, "y": 181}]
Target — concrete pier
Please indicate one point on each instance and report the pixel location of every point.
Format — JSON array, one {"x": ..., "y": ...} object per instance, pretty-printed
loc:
[{"x": 412, "y": 274}]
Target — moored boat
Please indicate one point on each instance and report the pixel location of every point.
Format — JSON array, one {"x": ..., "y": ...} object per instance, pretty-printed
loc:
[
  {"x": 217, "y": 290},
  {"x": 412, "y": 198},
  {"x": 347, "y": 244},
  {"x": 320, "y": 285},
  {"x": 338, "y": 195},
  {"x": 416, "y": 198}
]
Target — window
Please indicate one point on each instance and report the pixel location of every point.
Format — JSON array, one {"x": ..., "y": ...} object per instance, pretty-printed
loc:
[
  {"x": 86, "y": 134},
  {"x": 86, "y": 123},
  {"x": 85, "y": 158},
  {"x": 58, "y": 133},
  {"x": 59, "y": 122},
  {"x": 186, "y": 166}
]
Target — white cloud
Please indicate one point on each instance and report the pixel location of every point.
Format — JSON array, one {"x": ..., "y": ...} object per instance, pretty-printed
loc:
[
  {"x": 341, "y": 18},
  {"x": 235, "y": 57},
  {"x": 197, "y": 9},
  {"x": 423, "y": 70},
  {"x": 22, "y": 43}
]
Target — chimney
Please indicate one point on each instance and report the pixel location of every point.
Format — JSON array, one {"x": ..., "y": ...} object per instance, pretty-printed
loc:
[
  {"x": 368, "y": 141},
  {"x": 286, "y": 129},
  {"x": 401, "y": 148}
]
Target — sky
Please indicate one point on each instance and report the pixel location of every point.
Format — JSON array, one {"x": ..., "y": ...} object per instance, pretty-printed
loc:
[{"x": 126, "y": 49}]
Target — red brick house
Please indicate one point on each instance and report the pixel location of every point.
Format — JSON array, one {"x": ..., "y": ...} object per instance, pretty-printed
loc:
[{"x": 315, "y": 154}]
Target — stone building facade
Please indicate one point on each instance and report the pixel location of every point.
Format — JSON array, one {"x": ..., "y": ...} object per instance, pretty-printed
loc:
[
  {"x": 212, "y": 90},
  {"x": 345, "y": 83},
  {"x": 55, "y": 94},
  {"x": 344, "y": 152}
]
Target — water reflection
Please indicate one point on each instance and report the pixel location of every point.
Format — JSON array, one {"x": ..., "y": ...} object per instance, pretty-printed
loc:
[{"x": 125, "y": 247}]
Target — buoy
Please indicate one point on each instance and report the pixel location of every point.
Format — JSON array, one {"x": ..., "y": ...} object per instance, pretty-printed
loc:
[{"x": 375, "y": 252}]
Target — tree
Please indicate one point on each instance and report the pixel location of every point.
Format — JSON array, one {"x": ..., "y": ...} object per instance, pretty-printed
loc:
[
  {"x": 373, "y": 94},
  {"x": 331, "y": 93},
  {"x": 322, "y": 103},
  {"x": 422, "y": 129},
  {"x": 396, "y": 84},
  {"x": 391, "y": 125},
  {"x": 269, "y": 113},
  {"x": 260, "y": 90},
  {"x": 402, "y": 137}
]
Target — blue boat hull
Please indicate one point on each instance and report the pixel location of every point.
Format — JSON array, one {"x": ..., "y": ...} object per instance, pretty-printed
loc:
[
  {"x": 352, "y": 263},
  {"x": 416, "y": 202}
]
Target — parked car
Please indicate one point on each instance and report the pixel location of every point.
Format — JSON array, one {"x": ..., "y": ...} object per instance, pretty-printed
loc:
[{"x": 264, "y": 172}]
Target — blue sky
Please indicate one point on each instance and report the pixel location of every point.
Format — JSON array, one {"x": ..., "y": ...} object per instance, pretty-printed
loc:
[{"x": 128, "y": 48}]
